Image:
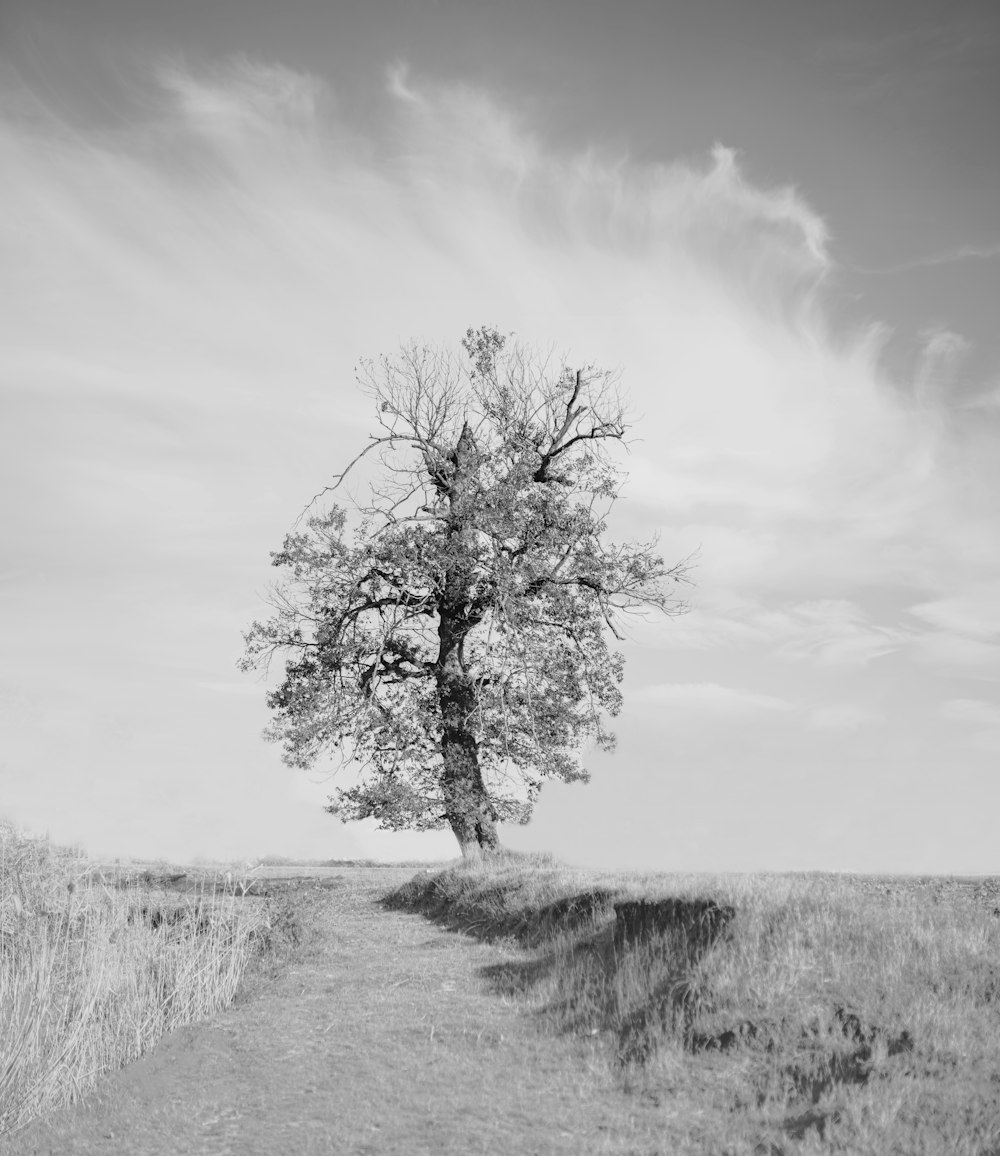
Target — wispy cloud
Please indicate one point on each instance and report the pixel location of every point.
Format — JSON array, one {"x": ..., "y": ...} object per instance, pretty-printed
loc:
[
  {"x": 931, "y": 260},
  {"x": 243, "y": 234},
  {"x": 182, "y": 298},
  {"x": 708, "y": 698},
  {"x": 972, "y": 710},
  {"x": 835, "y": 633},
  {"x": 842, "y": 716},
  {"x": 923, "y": 41},
  {"x": 962, "y": 631},
  {"x": 832, "y": 633},
  {"x": 246, "y": 102},
  {"x": 919, "y": 55},
  {"x": 975, "y": 613},
  {"x": 980, "y": 719}
]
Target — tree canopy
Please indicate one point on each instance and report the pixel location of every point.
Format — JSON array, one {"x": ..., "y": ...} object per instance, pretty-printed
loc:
[{"x": 453, "y": 639}]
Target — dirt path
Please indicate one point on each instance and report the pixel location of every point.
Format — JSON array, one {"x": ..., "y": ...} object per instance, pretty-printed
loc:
[{"x": 383, "y": 1039}]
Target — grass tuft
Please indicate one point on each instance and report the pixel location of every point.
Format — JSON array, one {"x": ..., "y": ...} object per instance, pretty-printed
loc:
[
  {"x": 95, "y": 968},
  {"x": 791, "y": 1014}
]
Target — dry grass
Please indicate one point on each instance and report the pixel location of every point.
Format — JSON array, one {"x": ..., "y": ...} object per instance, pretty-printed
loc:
[
  {"x": 743, "y": 1016},
  {"x": 768, "y": 1015},
  {"x": 94, "y": 968}
]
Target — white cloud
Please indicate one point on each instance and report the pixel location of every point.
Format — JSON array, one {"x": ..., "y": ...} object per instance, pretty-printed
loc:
[
  {"x": 835, "y": 632},
  {"x": 826, "y": 633},
  {"x": 964, "y": 630},
  {"x": 842, "y": 716},
  {"x": 971, "y": 710},
  {"x": 942, "y": 346},
  {"x": 247, "y": 111},
  {"x": 954, "y": 652},
  {"x": 182, "y": 299},
  {"x": 975, "y": 612},
  {"x": 708, "y": 698},
  {"x": 980, "y": 719},
  {"x": 963, "y": 253},
  {"x": 218, "y": 267},
  {"x": 942, "y": 354}
]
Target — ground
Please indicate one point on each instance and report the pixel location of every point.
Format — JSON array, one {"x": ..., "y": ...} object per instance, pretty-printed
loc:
[{"x": 382, "y": 1036}]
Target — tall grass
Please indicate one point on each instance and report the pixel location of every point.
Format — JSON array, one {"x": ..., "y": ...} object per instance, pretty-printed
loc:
[
  {"x": 808, "y": 1014},
  {"x": 93, "y": 970}
]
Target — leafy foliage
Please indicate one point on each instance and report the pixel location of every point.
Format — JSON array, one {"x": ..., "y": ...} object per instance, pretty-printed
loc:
[{"x": 472, "y": 602}]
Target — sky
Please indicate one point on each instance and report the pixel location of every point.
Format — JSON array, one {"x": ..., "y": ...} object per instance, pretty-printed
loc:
[{"x": 778, "y": 221}]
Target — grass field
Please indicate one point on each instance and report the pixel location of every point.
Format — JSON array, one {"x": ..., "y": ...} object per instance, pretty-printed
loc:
[
  {"x": 777, "y": 1014},
  {"x": 95, "y": 966},
  {"x": 744, "y": 1015}
]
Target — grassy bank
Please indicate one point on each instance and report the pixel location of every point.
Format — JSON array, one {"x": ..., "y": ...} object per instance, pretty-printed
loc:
[
  {"x": 95, "y": 967},
  {"x": 777, "y": 1014}
]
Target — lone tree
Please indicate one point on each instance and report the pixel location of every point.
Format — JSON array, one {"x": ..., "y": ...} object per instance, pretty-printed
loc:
[{"x": 454, "y": 644}]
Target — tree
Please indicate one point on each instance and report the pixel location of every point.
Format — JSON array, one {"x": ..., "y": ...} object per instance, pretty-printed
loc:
[{"x": 455, "y": 644}]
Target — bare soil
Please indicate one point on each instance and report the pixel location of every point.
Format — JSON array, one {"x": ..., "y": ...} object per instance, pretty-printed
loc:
[{"x": 382, "y": 1036}]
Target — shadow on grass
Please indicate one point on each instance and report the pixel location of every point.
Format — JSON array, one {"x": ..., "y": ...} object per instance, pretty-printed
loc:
[
  {"x": 490, "y": 911},
  {"x": 812, "y": 1063},
  {"x": 669, "y": 937},
  {"x": 635, "y": 970},
  {"x": 637, "y": 973},
  {"x": 602, "y": 963}
]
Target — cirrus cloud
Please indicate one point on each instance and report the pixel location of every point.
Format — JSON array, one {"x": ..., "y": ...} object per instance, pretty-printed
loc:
[
  {"x": 709, "y": 698},
  {"x": 182, "y": 298}
]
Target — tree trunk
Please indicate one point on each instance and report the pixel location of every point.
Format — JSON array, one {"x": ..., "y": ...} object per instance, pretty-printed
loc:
[{"x": 467, "y": 803}]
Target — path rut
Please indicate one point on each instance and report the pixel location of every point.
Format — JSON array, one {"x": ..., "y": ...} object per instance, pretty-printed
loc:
[{"x": 383, "y": 1038}]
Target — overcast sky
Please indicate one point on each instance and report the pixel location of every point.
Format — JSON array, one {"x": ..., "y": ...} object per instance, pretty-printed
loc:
[{"x": 779, "y": 220}]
